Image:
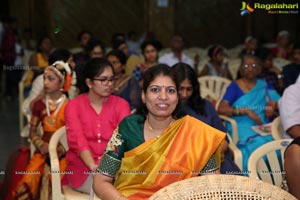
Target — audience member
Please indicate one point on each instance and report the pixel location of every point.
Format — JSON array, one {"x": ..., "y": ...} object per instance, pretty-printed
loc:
[
  {"x": 202, "y": 109},
  {"x": 283, "y": 47},
  {"x": 83, "y": 37},
  {"x": 37, "y": 89},
  {"x": 8, "y": 56},
  {"x": 251, "y": 102},
  {"x": 118, "y": 60},
  {"x": 133, "y": 90},
  {"x": 48, "y": 110},
  {"x": 158, "y": 145},
  {"x": 118, "y": 36},
  {"x": 132, "y": 60},
  {"x": 90, "y": 121},
  {"x": 270, "y": 73},
  {"x": 27, "y": 41},
  {"x": 250, "y": 46},
  {"x": 176, "y": 55},
  {"x": 292, "y": 167},
  {"x": 95, "y": 49},
  {"x": 216, "y": 65},
  {"x": 291, "y": 71},
  {"x": 289, "y": 109},
  {"x": 39, "y": 60},
  {"x": 133, "y": 42}
]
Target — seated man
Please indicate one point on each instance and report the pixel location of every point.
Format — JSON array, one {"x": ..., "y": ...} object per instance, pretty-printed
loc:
[
  {"x": 292, "y": 167},
  {"x": 289, "y": 108},
  {"x": 291, "y": 71},
  {"x": 176, "y": 55}
]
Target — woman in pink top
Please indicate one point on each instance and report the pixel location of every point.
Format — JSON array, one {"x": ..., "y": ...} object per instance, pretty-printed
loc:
[{"x": 90, "y": 121}]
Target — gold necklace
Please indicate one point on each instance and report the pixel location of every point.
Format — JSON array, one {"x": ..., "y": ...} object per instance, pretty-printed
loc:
[
  {"x": 51, "y": 118},
  {"x": 150, "y": 127},
  {"x": 54, "y": 103}
]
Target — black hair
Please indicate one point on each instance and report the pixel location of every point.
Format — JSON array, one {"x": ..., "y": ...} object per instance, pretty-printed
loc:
[
  {"x": 117, "y": 43},
  {"x": 185, "y": 71},
  {"x": 149, "y": 76},
  {"x": 296, "y": 45},
  {"x": 59, "y": 54},
  {"x": 40, "y": 41},
  {"x": 117, "y": 35},
  {"x": 92, "y": 68},
  {"x": 214, "y": 50},
  {"x": 153, "y": 43},
  {"x": 264, "y": 53},
  {"x": 93, "y": 43},
  {"x": 81, "y": 33},
  {"x": 119, "y": 54}
]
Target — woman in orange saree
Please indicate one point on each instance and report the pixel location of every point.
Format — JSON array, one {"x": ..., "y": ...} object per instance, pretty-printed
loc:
[
  {"x": 157, "y": 146},
  {"x": 48, "y": 110}
]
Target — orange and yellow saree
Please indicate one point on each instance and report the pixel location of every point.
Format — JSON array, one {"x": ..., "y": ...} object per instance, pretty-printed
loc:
[
  {"x": 183, "y": 150},
  {"x": 31, "y": 182}
]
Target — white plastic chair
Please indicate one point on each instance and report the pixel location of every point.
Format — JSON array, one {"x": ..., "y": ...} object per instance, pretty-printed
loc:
[
  {"x": 216, "y": 85},
  {"x": 21, "y": 104},
  {"x": 233, "y": 139},
  {"x": 277, "y": 129},
  {"x": 68, "y": 192},
  {"x": 237, "y": 154},
  {"x": 266, "y": 162}
]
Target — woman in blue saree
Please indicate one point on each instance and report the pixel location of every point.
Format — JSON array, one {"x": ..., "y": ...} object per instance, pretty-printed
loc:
[{"x": 250, "y": 101}]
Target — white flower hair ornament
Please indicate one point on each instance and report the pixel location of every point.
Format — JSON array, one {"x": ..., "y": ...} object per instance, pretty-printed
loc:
[{"x": 64, "y": 72}]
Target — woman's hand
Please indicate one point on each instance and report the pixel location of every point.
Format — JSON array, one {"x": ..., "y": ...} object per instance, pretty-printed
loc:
[
  {"x": 270, "y": 109},
  {"x": 252, "y": 115},
  {"x": 44, "y": 148},
  {"x": 93, "y": 167}
]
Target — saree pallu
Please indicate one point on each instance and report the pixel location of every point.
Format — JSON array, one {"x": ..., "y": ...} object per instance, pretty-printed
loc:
[
  {"x": 256, "y": 100},
  {"x": 30, "y": 184},
  {"x": 180, "y": 152}
]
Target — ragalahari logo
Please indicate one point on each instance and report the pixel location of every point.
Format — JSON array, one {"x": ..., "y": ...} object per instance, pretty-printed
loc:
[{"x": 246, "y": 8}]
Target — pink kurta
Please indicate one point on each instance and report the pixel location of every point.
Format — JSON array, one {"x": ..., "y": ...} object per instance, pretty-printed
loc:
[{"x": 87, "y": 130}]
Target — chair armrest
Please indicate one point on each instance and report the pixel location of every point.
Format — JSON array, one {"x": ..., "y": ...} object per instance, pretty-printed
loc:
[
  {"x": 276, "y": 129},
  {"x": 55, "y": 170},
  {"x": 237, "y": 154},
  {"x": 235, "y": 135}
]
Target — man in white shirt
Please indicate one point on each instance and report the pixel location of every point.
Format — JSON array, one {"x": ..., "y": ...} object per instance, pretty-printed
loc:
[
  {"x": 176, "y": 55},
  {"x": 289, "y": 108}
]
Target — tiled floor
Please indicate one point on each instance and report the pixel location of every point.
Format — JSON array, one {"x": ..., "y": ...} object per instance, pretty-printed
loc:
[{"x": 9, "y": 131}]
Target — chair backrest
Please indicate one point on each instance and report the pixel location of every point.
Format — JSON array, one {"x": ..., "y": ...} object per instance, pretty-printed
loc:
[
  {"x": 58, "y": 136},
  {"x": 277, "y": 129},
  {"x": 220, "y": 186},
  {"x": 233, "y": 139},
  {"x": 68, "y": 192},
  {"x": 215, "y": 85},
  {"x": 266, "y": 162}
]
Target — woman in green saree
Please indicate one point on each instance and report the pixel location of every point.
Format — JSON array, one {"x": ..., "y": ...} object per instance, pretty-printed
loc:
[{"x": 157, "y": 146}]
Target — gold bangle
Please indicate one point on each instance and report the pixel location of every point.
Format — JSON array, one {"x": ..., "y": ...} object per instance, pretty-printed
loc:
[
  {"x": 236, "y": 112},
  {"x": 38, "y": 143},
  {"x": 34, "y": 138}
]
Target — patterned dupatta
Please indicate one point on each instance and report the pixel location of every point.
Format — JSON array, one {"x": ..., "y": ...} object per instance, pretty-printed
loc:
[{"x": 180, "y": 152}]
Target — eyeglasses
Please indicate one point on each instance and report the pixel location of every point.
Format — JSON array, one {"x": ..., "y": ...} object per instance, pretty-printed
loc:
[
  {"x": 252, "y": 65},
  {"x": 106, "y": 80}
]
